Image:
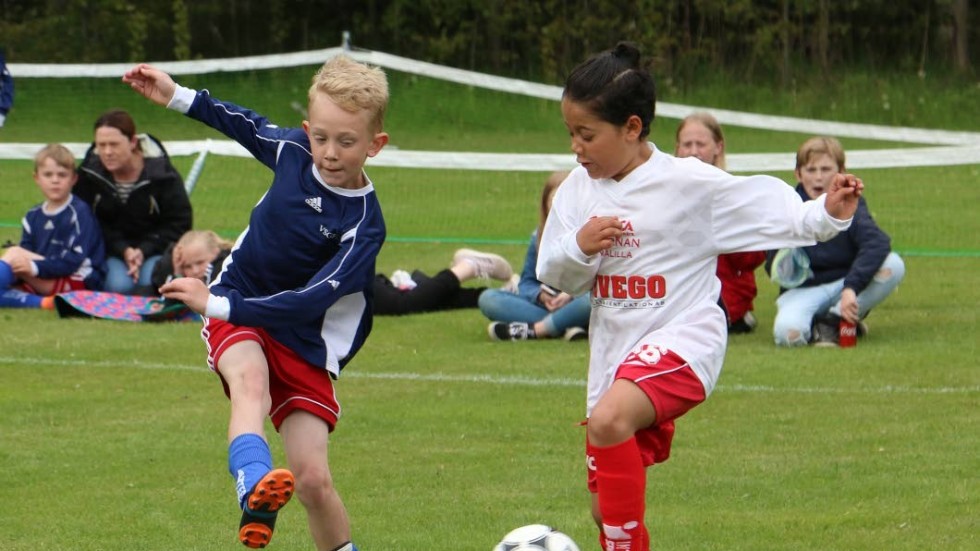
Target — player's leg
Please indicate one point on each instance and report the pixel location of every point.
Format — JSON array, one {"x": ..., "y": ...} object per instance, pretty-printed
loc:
[
  {"x": 795, "y": 310},
  {"x": 513, "y": 316},
  {"x": 305, "y": 438},
  {"x": 117, "y": 278},
  {"x": 619, "y": 470},
  {"x": 146, "y": 271},
  {"x": 15, "y": 297},
  {"x": 431, "y": 293},
  {"x": 885, "y": 280},
  {"x": 630, "y": 428},
  {"x": 261, "y": 490},
  {"x": 574, "y": 314},
  {"x": 7, "y": 277}
]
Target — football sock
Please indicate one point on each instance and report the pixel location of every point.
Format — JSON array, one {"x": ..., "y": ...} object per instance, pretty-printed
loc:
[
  {"x": 6, "y": 276},
  {"x": 249, "y": 459},
  {"x": 14, "y": 298},
  {"x": 621, "y": 484}
]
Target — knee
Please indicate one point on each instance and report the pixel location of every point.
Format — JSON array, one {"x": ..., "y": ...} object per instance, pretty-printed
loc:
[
  {"x": 892, "y": 270},
  {"x": 609, "y": 425},
  {"x": 249, "y": 382},
  {"x": 314, "y": 485},
  {"x": 489, "y": 304}
]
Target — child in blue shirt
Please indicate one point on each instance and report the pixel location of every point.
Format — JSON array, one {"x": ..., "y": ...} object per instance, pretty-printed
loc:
[
  {"x": 293, "y": 301},
  {"x": 61, "y": 246}
]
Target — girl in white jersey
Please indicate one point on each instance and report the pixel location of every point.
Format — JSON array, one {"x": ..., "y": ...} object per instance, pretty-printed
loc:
[{"x": 641, "y": 230}]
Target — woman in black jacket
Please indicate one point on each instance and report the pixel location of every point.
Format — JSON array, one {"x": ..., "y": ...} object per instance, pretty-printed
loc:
[{"x": 138, "y": 197}]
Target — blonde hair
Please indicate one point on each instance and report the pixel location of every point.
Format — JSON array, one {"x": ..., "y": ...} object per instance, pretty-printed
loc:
[
  {"x": 820, "y": 145},
  {"x": 57, "y": 153},
  {"x": 550, "y": 187},
  {"x": 353, "y": 86},
  {"x": 207, "y": 238},
  {"x": 708, "y": 121}
]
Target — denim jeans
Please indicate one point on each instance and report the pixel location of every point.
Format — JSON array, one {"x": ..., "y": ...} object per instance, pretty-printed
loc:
[
  {"x": 117, "y": 279},
  {"x": 796, "y": 308},
  {"x": 505, "y": 306}
]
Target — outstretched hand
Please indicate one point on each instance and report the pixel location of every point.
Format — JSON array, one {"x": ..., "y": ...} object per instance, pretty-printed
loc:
[
  {"x": 842, "y": 197},
  {"x": 151, "y": 83},
  {"x": 191, "y": 291}
]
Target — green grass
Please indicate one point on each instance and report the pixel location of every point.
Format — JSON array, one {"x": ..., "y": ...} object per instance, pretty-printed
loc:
[{"x": 113, "y": 433}]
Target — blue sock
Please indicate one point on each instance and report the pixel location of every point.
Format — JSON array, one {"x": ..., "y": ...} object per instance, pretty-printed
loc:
[
  {"x": 14, "y": 298},
  {"x": 249, "y": 459},
  {"x": 6, "y": 276}
]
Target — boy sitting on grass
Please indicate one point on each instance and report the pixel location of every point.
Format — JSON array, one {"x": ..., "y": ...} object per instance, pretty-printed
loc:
[
  {"x": 293, "y": 302},
  {"x": 61, "y": 246}
]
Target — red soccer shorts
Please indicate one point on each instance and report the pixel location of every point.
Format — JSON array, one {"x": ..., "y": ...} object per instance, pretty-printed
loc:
[
  {"x": 672, "y": 387},
  {"x": 294, "y": 383}
]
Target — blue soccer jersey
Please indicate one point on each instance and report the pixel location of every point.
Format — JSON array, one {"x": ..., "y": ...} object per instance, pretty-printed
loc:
[
  {"x": 70, "y": 241},
  {"x": 303, "y": 268}
]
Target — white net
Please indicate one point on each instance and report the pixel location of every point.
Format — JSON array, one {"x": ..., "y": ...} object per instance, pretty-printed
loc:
[{"x": 945, "y": 147}]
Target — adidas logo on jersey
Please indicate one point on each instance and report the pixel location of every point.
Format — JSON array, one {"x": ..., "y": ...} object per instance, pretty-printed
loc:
[
  {"x": 315, "y": 202},
  {"x": 49, "y": 226}
]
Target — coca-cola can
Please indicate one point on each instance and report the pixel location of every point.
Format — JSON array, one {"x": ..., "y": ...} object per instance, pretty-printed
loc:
[{"x": 848, "y": 336}]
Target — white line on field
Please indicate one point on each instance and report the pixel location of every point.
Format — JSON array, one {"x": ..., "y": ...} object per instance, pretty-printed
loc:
[{"x": 515, "y": 381}]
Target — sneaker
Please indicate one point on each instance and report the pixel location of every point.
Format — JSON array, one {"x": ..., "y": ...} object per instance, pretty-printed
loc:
[
  {"x": 488, "y": 265},
  {"x": 514, "y": 331},
  {"x": 402, "y": 280},
  {"x": 745, "y": 325},
  {"x": 575, "y": 334},
  {"x": 262, "y": 506},
  {"x": 826, "y": 331}
]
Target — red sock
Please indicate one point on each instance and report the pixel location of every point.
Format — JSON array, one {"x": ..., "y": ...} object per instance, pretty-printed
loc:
[{"x": 621, "y": 483}]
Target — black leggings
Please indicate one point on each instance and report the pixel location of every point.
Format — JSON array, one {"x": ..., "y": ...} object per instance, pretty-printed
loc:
[{"x": 439, "y": 292}]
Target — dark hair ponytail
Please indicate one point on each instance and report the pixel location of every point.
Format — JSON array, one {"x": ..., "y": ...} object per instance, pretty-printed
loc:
[{"x": 615, "y": 86}]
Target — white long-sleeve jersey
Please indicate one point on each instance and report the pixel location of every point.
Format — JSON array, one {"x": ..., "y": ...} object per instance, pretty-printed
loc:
[{"x": 657, "y": 284}]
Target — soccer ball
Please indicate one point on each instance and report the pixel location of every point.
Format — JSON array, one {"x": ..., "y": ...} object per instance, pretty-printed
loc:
[{"x": 536, "y": 537}]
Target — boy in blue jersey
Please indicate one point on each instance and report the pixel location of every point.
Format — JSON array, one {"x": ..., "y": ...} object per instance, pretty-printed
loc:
[
  {"x": 61, "y": 245},
  {"x": 292, "y": 303}
]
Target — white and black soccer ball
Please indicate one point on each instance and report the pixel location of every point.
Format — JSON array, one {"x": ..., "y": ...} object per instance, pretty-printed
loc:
[{"x": 536, "y": 537}]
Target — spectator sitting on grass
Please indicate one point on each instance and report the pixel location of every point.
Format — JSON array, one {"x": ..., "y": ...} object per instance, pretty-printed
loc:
[
  {"x": 61, "y": 246},
  {"x": 138, "y": 197},
  {"x": 700, "y": 135},
  {"x": 850, "y": 274},
  {"x": 536, "y": 311}
]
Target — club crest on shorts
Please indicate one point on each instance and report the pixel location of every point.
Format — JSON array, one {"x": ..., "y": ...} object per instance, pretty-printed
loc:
[{"x": 648, "y": 354}]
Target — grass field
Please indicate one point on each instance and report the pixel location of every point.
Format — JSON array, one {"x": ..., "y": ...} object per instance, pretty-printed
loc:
[{"x": 113, "y": 433}]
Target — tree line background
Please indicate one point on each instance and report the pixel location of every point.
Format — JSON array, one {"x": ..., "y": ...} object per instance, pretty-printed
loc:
[{"x": 755, "y": 41}]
